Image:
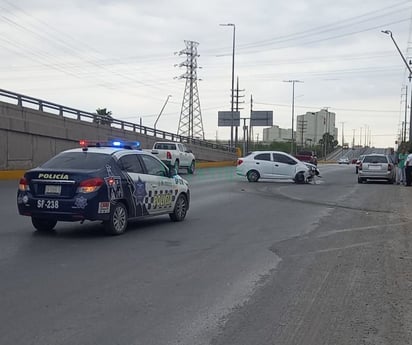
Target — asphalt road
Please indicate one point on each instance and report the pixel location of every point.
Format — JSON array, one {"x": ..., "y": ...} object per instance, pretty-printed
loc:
[{"x": 253, "y": 263}]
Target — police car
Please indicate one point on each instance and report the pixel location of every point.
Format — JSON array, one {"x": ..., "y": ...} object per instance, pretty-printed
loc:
[{"x": 110, "y": 182}]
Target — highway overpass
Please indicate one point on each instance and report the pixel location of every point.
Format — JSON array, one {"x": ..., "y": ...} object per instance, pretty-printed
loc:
[{"x": 33, "y": 130}]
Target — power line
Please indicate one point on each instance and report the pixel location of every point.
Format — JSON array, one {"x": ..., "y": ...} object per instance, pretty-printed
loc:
[
  {"x": 332, "y": 108},
  {"x": 319, "y": 30},
  {"x": 336, "y": 25},
  {"x": 66, "y": 47}
]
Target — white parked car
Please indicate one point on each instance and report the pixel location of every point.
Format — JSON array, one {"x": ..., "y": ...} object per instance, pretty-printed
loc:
[
  {"x": 343, "y": 160},
  {"x": 274, "y": 165}
]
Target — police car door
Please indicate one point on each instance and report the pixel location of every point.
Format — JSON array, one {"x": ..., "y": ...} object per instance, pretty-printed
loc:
[
  {"x": 135, "y": 193},
  {"x": 160, "y": 197}
]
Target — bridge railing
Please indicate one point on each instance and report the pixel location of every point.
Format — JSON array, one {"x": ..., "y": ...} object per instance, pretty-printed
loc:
[{"x": 80, "y": 115}]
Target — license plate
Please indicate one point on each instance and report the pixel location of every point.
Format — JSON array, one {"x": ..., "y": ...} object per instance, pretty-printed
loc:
[
  {"x": 48, "y": 204},
  {"x": 53, "y": 189}
]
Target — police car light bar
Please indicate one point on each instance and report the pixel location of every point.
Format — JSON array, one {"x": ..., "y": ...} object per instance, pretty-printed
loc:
[{"x": 131, "y": 145}]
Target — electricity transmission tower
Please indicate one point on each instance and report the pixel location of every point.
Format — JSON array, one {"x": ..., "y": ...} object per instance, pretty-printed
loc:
[{"x": 190, "y": 122}]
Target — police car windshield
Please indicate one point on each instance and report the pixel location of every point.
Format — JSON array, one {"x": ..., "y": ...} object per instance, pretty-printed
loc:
[{"x": 78, "y": 160}]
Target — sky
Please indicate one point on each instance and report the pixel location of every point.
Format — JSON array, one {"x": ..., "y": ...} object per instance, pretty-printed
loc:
[{"x": 124, "y": 56}]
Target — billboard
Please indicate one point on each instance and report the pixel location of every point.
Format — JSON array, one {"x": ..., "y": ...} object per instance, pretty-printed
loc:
[
  {"x": 224, "y": 118},
  {"x": 261, "y": 118}
]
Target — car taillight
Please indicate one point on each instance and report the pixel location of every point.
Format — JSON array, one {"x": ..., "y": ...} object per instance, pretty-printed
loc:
[
  {"x": 389, "y": 167},
  {"x": 239, "y": 161},
  {"x": 360, "y": 166},
  {"x": 168, "y": 155},
  {"x": 90, "y": 185},
  {"x": 24, "y": 185}
]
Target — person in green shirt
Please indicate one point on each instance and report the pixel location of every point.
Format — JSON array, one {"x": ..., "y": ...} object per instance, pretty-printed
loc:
[{"x": 401, "y": 176}]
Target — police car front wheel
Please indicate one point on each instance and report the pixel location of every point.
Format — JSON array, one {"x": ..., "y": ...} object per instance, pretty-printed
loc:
[
  {"x": 117, "y": 223},
  {"x": 43, "y": 225},
  {"x": 180, "y": 210}
]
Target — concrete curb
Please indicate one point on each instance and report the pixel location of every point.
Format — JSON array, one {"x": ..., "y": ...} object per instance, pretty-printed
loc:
[
  {"x": 16, "y": 174},
  {"x": 11, "y": 174}
]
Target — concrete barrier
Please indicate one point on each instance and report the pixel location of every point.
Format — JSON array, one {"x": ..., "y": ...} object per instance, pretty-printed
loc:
[{"x": 29, "y": 137}]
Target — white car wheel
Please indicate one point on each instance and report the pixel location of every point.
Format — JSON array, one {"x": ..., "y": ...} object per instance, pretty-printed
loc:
[{"x": 253, "y": 176}]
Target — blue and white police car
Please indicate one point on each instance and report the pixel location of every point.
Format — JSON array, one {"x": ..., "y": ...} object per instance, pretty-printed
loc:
[{"x": 110, "y": 182}]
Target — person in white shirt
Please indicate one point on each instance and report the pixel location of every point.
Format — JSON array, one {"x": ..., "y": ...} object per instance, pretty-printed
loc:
[{"x": 408, "y": 168}]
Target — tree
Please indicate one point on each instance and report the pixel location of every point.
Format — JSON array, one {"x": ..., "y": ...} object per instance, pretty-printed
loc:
[
  {"x": 103, "y": 117},
  {"x": 329, "y": 141}
]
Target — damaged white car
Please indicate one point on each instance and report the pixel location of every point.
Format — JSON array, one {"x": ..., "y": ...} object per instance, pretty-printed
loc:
[{"x": 275, "y": 165}]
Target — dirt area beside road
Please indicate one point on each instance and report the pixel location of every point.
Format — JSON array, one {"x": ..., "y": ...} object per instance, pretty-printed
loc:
[{"x": 349, "y": 282}]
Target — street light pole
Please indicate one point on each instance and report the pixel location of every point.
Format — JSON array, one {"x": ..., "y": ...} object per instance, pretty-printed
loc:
[
  {"x": 233, "y": 80},
  {"x": 293, "y": 108},
  {"x": 161, "y": 111},
  {"x": 388, "y": 32}
]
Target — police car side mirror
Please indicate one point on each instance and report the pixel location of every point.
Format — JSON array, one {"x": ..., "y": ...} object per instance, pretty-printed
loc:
[{"x": 172, "y": 172}]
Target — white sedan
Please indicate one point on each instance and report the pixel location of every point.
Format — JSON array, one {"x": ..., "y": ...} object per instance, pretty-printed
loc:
[{"x": 273, "y": 165}]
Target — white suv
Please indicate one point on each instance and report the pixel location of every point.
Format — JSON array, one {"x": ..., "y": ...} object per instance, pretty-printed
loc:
[{"x": 376, "y": 167}]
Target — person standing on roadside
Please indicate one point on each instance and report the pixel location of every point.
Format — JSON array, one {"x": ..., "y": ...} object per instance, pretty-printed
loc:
[
  {"x": 394, "y": 160},
  {"x": 408, "y": 168},
  {"x": 401, "y": 176}
]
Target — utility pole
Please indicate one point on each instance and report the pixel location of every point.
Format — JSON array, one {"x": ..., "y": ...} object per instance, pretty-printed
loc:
[
  {"x": 301, "y": 128},
  {"x": 353, "y": 138},
  {"x": 410, "y": 116},
  {"x": 250, "y": 126},
  {"x": 233, "y": 77},
  {"x": 360, "y": 137},
  {"x": 326, "y": 136},
  {"x": 237, "y": 107},
  {"x": 403, "y": 136},
  {"x": 293, "y": 108},
  {"x": 245, "y": 136},
  {"x": 343, "y": 136}
]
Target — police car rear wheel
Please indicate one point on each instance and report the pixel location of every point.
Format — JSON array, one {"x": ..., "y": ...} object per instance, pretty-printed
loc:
[
  {"x": 117, "y": 223},
  {"x": 180, "y": 210},
  {"x": 43, "y": 225}
]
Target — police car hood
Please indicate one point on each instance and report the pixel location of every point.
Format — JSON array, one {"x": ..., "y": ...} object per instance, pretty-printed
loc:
[{"x": 180, "y": 178}]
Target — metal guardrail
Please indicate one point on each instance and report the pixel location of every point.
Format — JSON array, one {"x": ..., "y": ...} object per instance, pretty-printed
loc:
[{"x": 81, "y": 115}]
